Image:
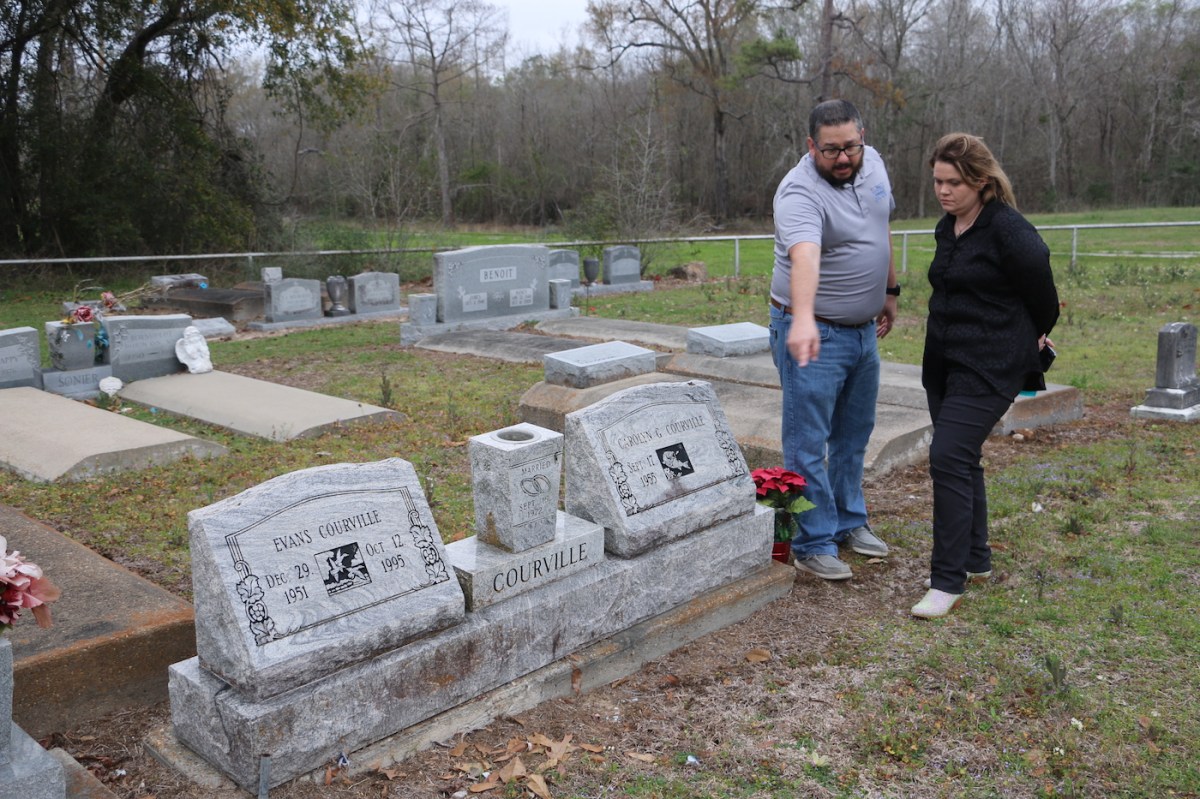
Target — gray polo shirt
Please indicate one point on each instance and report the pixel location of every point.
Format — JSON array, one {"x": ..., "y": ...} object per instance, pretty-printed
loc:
[{"x": 850, "y": 223}]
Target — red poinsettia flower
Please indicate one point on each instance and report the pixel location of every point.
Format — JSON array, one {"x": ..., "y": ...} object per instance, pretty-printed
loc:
[{"x": 781, "y": 488}]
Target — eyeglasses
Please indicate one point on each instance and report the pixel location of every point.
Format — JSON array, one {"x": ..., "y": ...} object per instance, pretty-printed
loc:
[{"x": 831, "y": 153}]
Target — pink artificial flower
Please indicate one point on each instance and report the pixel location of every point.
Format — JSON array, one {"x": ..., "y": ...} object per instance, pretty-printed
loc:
[
  {"x": 109, "y": 299},
  {"x": 83, "y": 314}
]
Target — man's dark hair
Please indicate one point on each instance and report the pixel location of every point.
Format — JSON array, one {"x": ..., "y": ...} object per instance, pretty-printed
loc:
[{"x": 832, "y": 113}]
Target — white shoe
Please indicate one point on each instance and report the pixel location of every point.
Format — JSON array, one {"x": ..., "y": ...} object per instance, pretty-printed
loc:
[
  {"x": 935, "y": 604},
  {"x": 971, "y": 577}
]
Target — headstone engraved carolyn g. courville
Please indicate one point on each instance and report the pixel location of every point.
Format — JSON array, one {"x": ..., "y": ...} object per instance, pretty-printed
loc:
[
  {"x": 313, "y": 570},
  {"x": 654, "y": 463}
]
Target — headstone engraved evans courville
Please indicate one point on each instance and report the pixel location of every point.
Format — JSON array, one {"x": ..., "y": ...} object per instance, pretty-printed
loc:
[
  {"x": 312, "y": 570},
  {"x": 654, "y": 463}
]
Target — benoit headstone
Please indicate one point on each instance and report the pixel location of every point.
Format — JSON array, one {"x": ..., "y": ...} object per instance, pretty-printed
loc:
[{"x": 492, "y": 281}]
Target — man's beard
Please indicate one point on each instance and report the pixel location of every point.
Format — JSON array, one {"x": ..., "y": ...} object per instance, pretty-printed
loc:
[{"x": 837, "y": 182}]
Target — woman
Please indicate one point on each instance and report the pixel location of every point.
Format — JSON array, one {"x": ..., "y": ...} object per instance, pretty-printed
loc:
[{"x": 992, "y": 306}]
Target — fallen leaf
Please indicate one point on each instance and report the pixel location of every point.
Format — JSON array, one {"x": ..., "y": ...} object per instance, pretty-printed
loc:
[
  {"x": 480, "y": 787},
  {"x": 459, "y": 750},
  {"x": 670, "y": 681},
  {"x": 758, "y": 655},
  {"x": 640, "y": 756},
  {"x": 540, "y": 740},
  {"x": 514, "y": 769},
  {"x": 537, "y": 784},
  {"x": 592, "y": 747},
  {"x": 576, "y": 679},
  {"x": 391, "y": 773}
]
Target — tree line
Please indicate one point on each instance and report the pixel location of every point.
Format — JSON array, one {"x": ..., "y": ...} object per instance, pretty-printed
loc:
[{"x": 179, "y": 126}]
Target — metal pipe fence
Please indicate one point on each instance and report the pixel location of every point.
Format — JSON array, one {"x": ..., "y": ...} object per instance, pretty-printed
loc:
[{"x": 249, "y": 258}]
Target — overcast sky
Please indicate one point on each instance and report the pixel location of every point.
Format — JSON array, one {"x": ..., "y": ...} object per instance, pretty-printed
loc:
[{"x": 538, "y": 26}]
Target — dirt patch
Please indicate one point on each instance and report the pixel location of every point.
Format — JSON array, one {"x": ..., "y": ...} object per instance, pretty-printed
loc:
[{"x": 759, "y": 695}]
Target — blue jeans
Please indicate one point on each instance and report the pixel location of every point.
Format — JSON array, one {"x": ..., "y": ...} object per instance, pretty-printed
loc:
[{"x": 828, "y": 416}]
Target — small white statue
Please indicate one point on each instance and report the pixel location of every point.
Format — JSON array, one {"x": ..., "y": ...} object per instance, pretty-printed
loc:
[{"x": 192, "y": 351}]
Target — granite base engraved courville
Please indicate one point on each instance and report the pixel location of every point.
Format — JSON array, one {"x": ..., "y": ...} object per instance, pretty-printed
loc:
[{"x": 365, "y": 702}]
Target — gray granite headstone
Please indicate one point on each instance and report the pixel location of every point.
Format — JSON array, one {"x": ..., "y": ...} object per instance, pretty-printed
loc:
[
  {"x": 76, "y": 383},
  {"x": 291, "y": 299},
  {"x": 653, "y": 464},
  {"x": 1176, "y": 394},
  {"x": 591, "y": 365},
  {"x": 564, "y": 265},
  {"x": 19, "y": 357},
  {"x": 422, "y": 309},
  {"x": 72, "y": 345},
  {"x": 311, "y": 571},
  {"x": 375, "y": 292},
  {"x": 725, "y": 341},
  {"x": 515, "y": 477},
  {"x": 140, "y": 347},
  {"x": 622, "y": 264},
  {"x": 492, "y": 281},
  {"x": 560, "y": 293},
  {"x": 215, "y": 327}
]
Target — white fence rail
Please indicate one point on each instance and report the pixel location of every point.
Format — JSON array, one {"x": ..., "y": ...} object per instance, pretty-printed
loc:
[{"x": 905, "y": 235}]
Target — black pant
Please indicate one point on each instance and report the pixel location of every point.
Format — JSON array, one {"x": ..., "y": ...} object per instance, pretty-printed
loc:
[{"x": 960, "y": 538}]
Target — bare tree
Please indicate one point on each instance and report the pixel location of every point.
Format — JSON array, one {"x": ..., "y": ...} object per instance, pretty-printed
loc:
[
  {"x": 437, "y": 45},
  {"x": 698, "y": 43}
]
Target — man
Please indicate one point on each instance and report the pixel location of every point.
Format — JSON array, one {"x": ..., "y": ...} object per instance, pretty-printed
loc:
[{"x": 833, "y": 292}]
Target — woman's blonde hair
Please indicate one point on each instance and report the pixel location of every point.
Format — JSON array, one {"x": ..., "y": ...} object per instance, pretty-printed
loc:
[{"x": 978, "y": 167}]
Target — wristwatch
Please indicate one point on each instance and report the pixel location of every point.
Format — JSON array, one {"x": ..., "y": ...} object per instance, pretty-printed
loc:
[{"x": 893, "y": 290}]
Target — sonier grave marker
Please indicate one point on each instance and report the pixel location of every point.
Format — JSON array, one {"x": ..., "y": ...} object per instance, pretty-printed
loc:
[
  {"x": 654, "y": 463},
  {"x": 315, "y": 569}
]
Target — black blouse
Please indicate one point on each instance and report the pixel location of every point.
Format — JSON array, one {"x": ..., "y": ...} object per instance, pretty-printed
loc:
[{"x": 993, "y": 297}]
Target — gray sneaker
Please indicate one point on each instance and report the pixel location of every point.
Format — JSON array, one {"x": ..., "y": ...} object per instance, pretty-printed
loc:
[
  {"x": 827, "y": 567},
  {"x": 864, "y": 542}
]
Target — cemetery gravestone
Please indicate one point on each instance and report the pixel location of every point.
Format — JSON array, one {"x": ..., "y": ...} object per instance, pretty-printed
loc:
[
  {"x": 725, "y": 341},
  {"x": 189, "y": 280},
  {"x": 1176, "y": 394},
  {"x": 622, "y": 264},
  {"x": 292, "y": 299},
  {"x": 493, "y": 281},
  {"x": 560, "y": 293},
  {"x": 564, "y": 265},
  {"x": 20, "y": 358},
  {"x": 76, "y": 384},
  {"x": 375, "y": 292},
  {"x": 271, "y": 274},
  {"x": 594, "y": 364},
  {"x": 310, "y": 571},
  {"x": 655, "y": 463},
  {"x": 140, "y": 347}
]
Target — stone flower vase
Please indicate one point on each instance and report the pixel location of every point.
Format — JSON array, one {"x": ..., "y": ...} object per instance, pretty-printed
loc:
[
  {"x": 786, "y": 527},
  {"x": 72, "y": 345}
]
